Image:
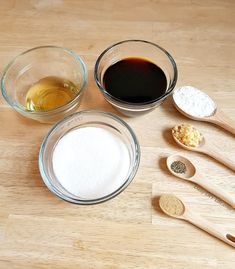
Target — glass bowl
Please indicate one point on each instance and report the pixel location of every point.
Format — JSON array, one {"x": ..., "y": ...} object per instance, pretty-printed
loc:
[
  {"x": 37, "y": 63},
  {"x": 92, "y": 118},
  {"x": 140, "y": 49}
]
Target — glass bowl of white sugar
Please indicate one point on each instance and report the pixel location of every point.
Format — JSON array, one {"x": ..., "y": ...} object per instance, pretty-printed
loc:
[{"x": 89, "y": 157}]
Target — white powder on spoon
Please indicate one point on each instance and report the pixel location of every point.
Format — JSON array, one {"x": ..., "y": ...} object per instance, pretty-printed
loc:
[
  {"x": 194, "y": 102},
  {"x": 91, "y": 162}
]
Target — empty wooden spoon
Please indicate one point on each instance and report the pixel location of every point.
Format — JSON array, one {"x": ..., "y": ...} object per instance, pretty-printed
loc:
[
  {"x": 174, "y": 207},
  {"x": 190, "y": 173},
  {"x": 208, "y": 149},
  {"x": 217, "y": 117}
]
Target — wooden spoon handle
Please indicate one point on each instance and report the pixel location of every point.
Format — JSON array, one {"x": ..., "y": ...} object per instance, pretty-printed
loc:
[
  {"x": 223, "y": 121},
  {"x": 217, "y": 191},
  {"x": 210, "y": 228},
  {"x": 209, "y": 150}
]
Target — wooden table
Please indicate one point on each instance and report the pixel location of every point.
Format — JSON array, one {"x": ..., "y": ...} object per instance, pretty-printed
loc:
[{"x": 37, "y": 229}]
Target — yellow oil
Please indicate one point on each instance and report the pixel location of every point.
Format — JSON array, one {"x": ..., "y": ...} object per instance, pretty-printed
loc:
[{"x": 50, "y": 93}]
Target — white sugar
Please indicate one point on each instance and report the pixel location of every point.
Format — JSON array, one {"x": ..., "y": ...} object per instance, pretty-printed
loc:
[
  {"x": 194, "y": 102},
  {"x": 91, "y": 162}
]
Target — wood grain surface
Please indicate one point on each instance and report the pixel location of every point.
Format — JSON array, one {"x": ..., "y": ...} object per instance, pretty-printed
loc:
[{"x": 37, "y": 229}]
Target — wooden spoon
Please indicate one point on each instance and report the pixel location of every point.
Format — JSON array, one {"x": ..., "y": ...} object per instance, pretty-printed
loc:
[
  {"x": 218, "y": 118},
  {"x": 208, "y": 149},
  {"x": 191, "y": 174},
  {"x": 174, "y": 207}
]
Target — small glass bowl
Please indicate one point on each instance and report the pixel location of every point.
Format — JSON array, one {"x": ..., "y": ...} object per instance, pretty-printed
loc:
[
  {"x": 34, "y": 64},
  {"x": 82, "y": 119},
  {"x": 140, "y": 49}
]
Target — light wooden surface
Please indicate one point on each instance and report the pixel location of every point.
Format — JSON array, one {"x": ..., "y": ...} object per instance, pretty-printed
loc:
[{"x": 38, "y": 230}]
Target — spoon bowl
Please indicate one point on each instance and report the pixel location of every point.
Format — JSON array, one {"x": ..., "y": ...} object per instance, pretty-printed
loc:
[
  {"x": 190, "y": 168},
  {"x": 202, "y": 143},
  {"x": 197, "y": 118},
  {"x": 172, "y": 206}
]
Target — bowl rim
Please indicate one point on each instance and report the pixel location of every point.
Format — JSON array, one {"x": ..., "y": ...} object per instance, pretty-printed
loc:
[
  {"x": 107, "y": 197},
  {"x": 170, "y": 88},
  {"x": 50, "y": 112}
]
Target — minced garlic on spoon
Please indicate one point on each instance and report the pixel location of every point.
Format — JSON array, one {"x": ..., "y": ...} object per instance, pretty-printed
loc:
[{"x": 188, "y": 135}]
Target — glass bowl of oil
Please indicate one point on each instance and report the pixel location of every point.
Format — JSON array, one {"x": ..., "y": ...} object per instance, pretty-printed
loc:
[{"x": 45, "y": 83}]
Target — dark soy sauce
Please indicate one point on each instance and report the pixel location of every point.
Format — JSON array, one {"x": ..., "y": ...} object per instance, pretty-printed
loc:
[{"x": 135, "y": 80}]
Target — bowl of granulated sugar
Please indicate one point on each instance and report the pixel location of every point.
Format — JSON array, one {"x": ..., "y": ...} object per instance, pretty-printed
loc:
[{"x": 89, "y": 157}]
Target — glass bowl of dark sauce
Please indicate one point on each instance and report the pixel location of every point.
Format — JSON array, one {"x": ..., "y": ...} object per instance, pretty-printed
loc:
[{"x": 135, "y": 76}]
